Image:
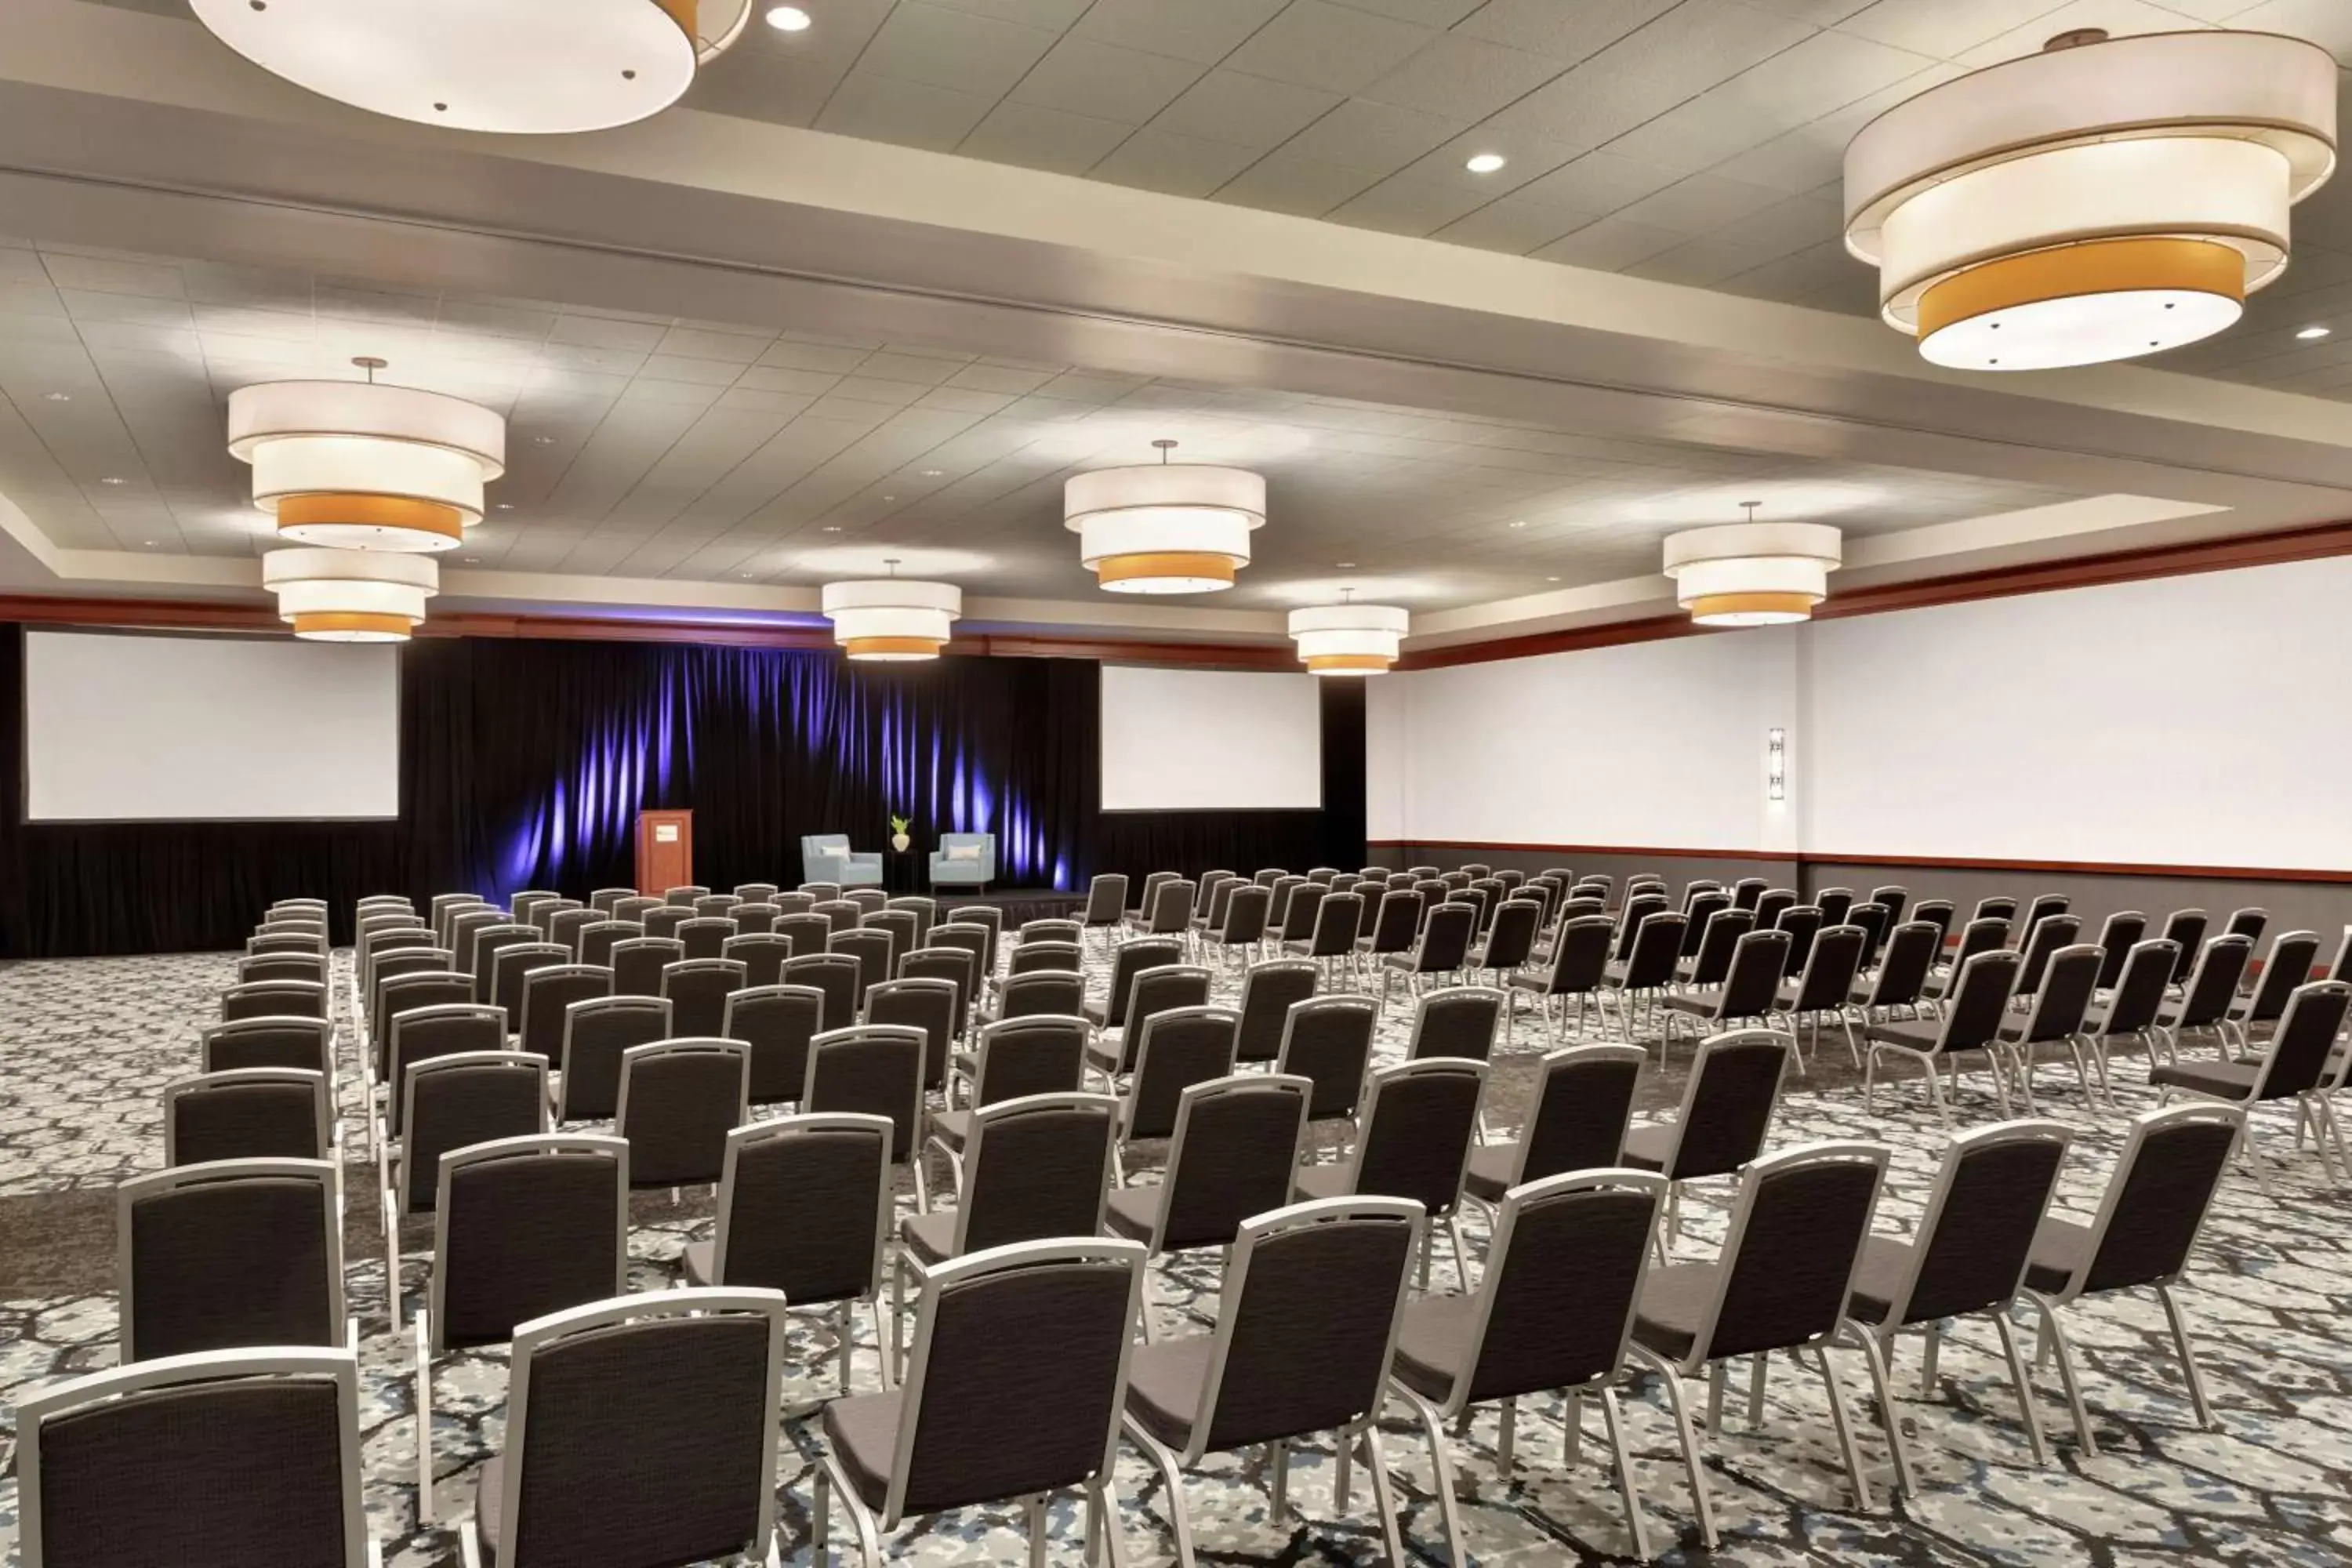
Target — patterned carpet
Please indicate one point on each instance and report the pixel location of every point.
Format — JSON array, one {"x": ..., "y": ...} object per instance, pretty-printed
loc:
[{"x": 89, "y": 1046}]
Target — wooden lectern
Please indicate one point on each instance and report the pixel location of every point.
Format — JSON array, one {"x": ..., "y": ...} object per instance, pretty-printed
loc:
[{"x": 665, "y": 851}]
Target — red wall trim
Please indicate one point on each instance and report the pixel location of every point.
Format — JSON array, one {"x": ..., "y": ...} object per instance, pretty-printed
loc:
[
  {"x": 1946, "y": 862},
  {"x": 1580, "y": 848}
]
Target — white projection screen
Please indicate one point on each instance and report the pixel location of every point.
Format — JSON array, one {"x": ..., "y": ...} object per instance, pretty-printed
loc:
[
  {"x": 1199, "y": 739},
  {"x": 122, "y": 727}
]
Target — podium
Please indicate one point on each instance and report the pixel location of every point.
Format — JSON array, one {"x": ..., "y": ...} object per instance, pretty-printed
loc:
[{"x": 665, "y": 851}]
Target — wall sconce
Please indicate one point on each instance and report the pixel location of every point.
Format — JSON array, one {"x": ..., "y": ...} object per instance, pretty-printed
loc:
[{"x": 1776, "y": 764}]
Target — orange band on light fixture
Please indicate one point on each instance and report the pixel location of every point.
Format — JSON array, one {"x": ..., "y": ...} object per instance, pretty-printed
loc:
[
  {"x": 1346, "y": 663},
  {"x": 1165, "y": 564},
  {"x": 682, "y": 13},
  {"x": 1712, "y": 605},
  {"x": 2095, "y": 266},
  {"x": 339, "y": 510},
  {"x": 890, "y": 648},
  {"x": 313, "y": 623}
]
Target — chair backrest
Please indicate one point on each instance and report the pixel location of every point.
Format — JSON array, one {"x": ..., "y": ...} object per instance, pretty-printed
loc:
[
  {"x": 246, "y": 1113},
  {"x": 2306, "y": 1031},
  {"x": 1802, "y": 922},
  {"x": 1176, "y": 1048},
  {"x": 804, "y": 1206},
  {"x": 1300, "y": 909},
  {"x": 2285, "y": 971},
  {"x": 777, "y": 1021},
  {"x": 1797, "y": 1228},
  {"x": 871, "y": 949},
  {"x": 1700, "y": 909},
  {"x": 1872, "y": 919},
  {"x": 2213, "y": 984},
  {"x": 1936, "y": 912},
  {"x": 1336, "y": 920},
  {"x": 2172, "y": 1164},
  {"x": 1976, "y": 1006},
  {"x": 1204, "y": 892},
  {"x": 761, "y": 954},
  {"x": 1579, "y": 954},
  {"x": 836, "y": 974},
  {"x": 926, "y": 911},
  {"x": 1106, "y": 898},
  {"x": 2117, "y": 934},
  {"x": 873, "y": 1069},
  {"x": 697, "y": 990},
  {"x": 638, "y": 961},
  {"x": 300, "y": 943},
  {"x": 806, "y": 931},
  {"x": 1247, "y": 911},
  {"x": 1059, "y": 933},
  {"x": 1969, "y": 1252},
  {"x": 1328, "y": 1041},
  {"x": 718, "y": 904},
  {"x": 1769, "y": 905},
  {"x": 970, "y": 938},
  {"x": 683, "y": 897},
  {"x": 1831, "y": 968},
  {"x": 1397, "y": 921},
  {"x": 290, "y": 966},
  {"x": 1419, "y": 1118},
  {"x": 867, "y": 899},
  {"x": 754, "y": 919},
  {"x": 1834, "y": 903},
  {"x": 526, "y": 904},
  {"x": 1306, "y": 1322},
  {"x": 1458, "y": 1021},
  {"x": 901, "y": 926},
  {"x": 596, "y": 939},
  {"x": 1169, "y": 906},
  {"x": 544, "y": 915},
  {"x": 676, "y": 1390},
  {"x": 274, "y": 999},
  {"x": 1134, "y": 958},
  {"x": 596, "y": 1032},
  {"x": 2185, "y": 927},
  {"x": 1037, "y": 1054},
  {"x": 1035, "y": 1166},
  {"x": 1058, "y": 991},
  {"x": 756, "y": 892},
  {"x": 564, "y": 926},
  {"x": 488, "y": 942},
  {"x": 392, "y": 967},
  {"x": 1037, "y": 956},
  {"x": 2139, "y": 990},
  {"x": 928, "y": 1005},
  {"x": 603, "y": 898},
  {"x": 510, "y": 966},
  {"x": 1753, "y": 982},
  {"x": 461, "y": 1099},
  {"x": 1445, "y": 934},
  {"x": 1584, "y": 1103},
  {"x": 1710, "y": 959},
  {"x": 705, "y": 936},
  {"x": 1511, "y": 938},
  {"x": 1630, "y": 919},
  {"x": 267, "y": 1042},
  {"x": 2064, "y": 999},
  {"x": 525, "y": 1227},
  {"x": 1728, "y": 1102},
  {"x": 547, "y": 995},
  {"x": 1894, "y": 898},
  {"x": 679, "y": 1098},
  {"x": 2043, "y": 938},
  {"x": 1564, "y": 1273},
  {"x": 1017, "y": 1376},
  {"x": 1268, "y": 989},
  {"x": 634, "y": 908},
  {"x": 467, "y": 925},
  {"x": 106, "y": 1469},
  {"x": 1903, "y": 969},
  {"x": 191, "y": 1242},
  {"x": 1657, "y": 949},
  {"x": 666, "y": 919}
]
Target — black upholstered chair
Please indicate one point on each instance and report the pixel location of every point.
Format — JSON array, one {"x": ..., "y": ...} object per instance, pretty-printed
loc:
[
  {"x": 1973, "y": 1017},
  {"x": 833, "y": 975},
  {"x": 1419, "y": 1118},
  {"x": 679, "y": 1098},
  {"x": 269, "y": 1042},
  {"x": 1745, "y": 999},
  {"x": 274, "y": 999},
  {"x": 1040, "y": 1053},
  {"x": 1458, "y": 1021},
  {"x": 1157, "y": 990},
  {"x": 1728, "y": 1105},
  {"x": 547, "y": 995},
  {"x": 595, "y": 1034},
  {"x": 248, "y": 1113},
  {"x": 762, "y": 955},
  {"x": 1055, "y": 992},
  {"x": 231, "y": 1255},
  {"x": 1579, "y": 962},
  {"x": 638, "y": 961},
  {"x": 449, "y": 1102},
  {"x": 1442, "y": 948},
  {"x": 697, "y": 990},
  {"x": 874, "y": 1069},
  {"x": 2294, "y": 1066},
  {"x": 1268, "y": 991},
  {"x": 1328, "y": 1041},
  {"x": 777, "y": 1021},
  {"x": 1576, "y": 1120}
]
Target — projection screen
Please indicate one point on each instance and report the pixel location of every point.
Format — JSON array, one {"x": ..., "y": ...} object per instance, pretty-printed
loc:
[{"x": 1194, "y": 740}]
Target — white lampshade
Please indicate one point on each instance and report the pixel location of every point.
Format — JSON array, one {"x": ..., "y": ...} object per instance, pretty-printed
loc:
[
  {"x": 1165, "y": 528},
  {"x": 351, "y": 596},
  {"x": 522, "y": 66},
  {"x": 2104, "y": 199},
  {"x": 1348, "y": 639},
  {"x": 892, "y": 617},
  {"x": 360, "y": 466},
  {"x": 1752, "y": 574}
]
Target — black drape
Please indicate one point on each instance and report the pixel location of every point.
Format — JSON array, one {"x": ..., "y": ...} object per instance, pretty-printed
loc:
[{"x": 524, "y": 762}]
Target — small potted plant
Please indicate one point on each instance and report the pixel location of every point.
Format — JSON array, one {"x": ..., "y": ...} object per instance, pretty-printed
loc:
[{"x": 898, "y": 839}]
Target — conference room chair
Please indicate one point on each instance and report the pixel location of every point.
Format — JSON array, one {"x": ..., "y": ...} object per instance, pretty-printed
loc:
[
  {"x": 1971, "y": 1020},
  {"x": 1771, "y": 904},
  {"x": 756, "y": 892},
  {"x": 634, "y": 907},
  {"x": 1443, "y": 947},
  {"x": 1131, "y": 959},
  {"x": 1936, "y": 912},
  {"x": 818, "y": 892},
  {"x": 988, "y": 918},
  {"x": 1870, "y": 919},
  {"x": 1375, "y": 873},
  {"x": 1331, "y": 937},
  {"x": 1554, "y": 1314},
  {"x": 1638, "y": 908},
  {"x": 1419, "y": 1120},
  {"x": 1834, "y": 903},
  {"x": 2056, "y": 1015},
  {"x": 1458, "y": 1021},
  {"x": 867, "y": 899},
  {"x": 1038, "y": 1414},
  {"x": 807, "y": 931},
  {"x": 1106, "y": 906},
  {"x": 1157, "y": 990},
  {"x": 1898, "y": 985},
  {"x": 1328, "y": 1041},
  {"x": 546, "y": 993},
  {"x": 1140, "y": 913},
  {"x": 1577, "y": 961},
  {"x": 300, "y": 944},
  {"x": 1421, "y": 871},
  {"x": 596, "y": 1033},
  {"x": 1644, "y": 976},
  {"x": 1244, "y": 926},
  {"x": 716, "y": 906},
  {"x": 488, "y": 942},
  {"x": 1747, "y": 997},
  {"x": 106, "y": 1471},
  {"x": 1278, "y": 909},
  {"x": 267, "y": 1042},
  {"x": 1167, "y": 907},
  {"x": 1997, "y": 907},
  {"x": 564, "y": 926},
  {"x": 523, "y": 1227},
  {"x": 1747, "y": 891},
  {"x": 659, "y": 1407},
  {"x": 1894, "y": 898},
  {"x": 2249, "y": 923},
  {"x": 1725, "y": 1115},
  {"x": 1822, "y": 991},
  {"x": 2286, "y": 968},
  {"x": 638, "y": 961},
  {"x": 679, "y": 1097},
  {"x": 974, "y": 937},
  {"x": 1400, "y": 881},
  {"x": 1986, "y": 935},
  {"x": 312, "y": 927},
  {"x": 871, "y": 950},
  {"x": 315, "y": 906},
  {"x": 875, "y": 1069},
  {"x": 1455, "y": 879},
  {"x": 2045, "y": 937},
  {"x": 274, "y": 999},
  {"x": 762, "y": 953},
  {"x": 777, "y": 1021},
  {"x": 2294, "y": 1066},
  {"x": 1049, "y": 933},
  {"x": 899, "y": 926},
  {"x": 605, "y": 900},
  {"x": 1491, "y": 894},
  {"x": 231, "y": 1255},
  {"x": 2187, "y": 928},
  {"x": 2131, "y": 1007},
  {"x": 754, "y": 919},
  {"x": 2204, "y": 1001},
  {"x": 443, "y": 904},
  {"x": 1705, "y": 966},
  {"x": 1035, "y": 957},
  {"x": 926, "y": 1004},
  {"x": 805, "y": 1207},
  {"x": 1781, "y": 1282},
  {"x": 248, "y": 1113},
  {"x": 2118, "y": 933},
  {"x": 1510, "y": 939},
  {"x": 704, "y": 936},
  {"x": 1701, "y": 887},
  {"x": 1576, "y": 1122},
  {"x": 285, "y": 966},
  {"x": 685, "y": 896},
  {"x": 466, "y": 926},
  {"x": 510, "y": 966},
  {"x": 1802, "y": 922},
  {"x": 697, "y": 990},
  {"x": 1699, "y": 908},
  {"x": 1307, "y": 1317},
  {"x": 449, "y": 1102},
  {"x": 1174, "y": 1049},
  {"x": 1269, "y": 989},
  {"x": 953, "y": 964},
  {"x": 1043, "y": 1054},
  {"x": 544, "y": 915},
  {"x": 664, "y": 920},
  {"x": 1205, "y": 893},
  {"x": 2142, "y": 1237},
  {"x": 1043, "y": 992},
  {"x": 926, "y": 910},
  {"x": 425, "y": 1015},
  {"x": 406, "y": 957},
  {"x": 525, "y": 905}
]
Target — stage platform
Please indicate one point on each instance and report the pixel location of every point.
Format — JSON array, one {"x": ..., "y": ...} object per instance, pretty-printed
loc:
[{"x": 1019, "y": 904}]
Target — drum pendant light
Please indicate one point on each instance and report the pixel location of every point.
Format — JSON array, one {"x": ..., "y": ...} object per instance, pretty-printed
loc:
[
  {"x": 1752, "y": 574},
  {"x": 893, "y": 617},
  {"x": 1164, "y": 528},
  {"x": 1348, "y": 638},
  {"x": 351, "y": 596}
]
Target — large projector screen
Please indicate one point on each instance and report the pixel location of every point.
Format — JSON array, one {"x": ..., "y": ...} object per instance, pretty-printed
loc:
[
  {"x": 128, "y": 728},
  {"x": 1195, "y": 739}
]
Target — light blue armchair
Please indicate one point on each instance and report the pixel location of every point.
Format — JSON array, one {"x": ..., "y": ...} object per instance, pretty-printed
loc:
[
  {"x": 827, "y": 858},
  {"x": 964, "y": 860}
]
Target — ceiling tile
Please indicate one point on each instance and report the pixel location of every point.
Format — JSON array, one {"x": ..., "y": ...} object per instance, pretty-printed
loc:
[
  {"x": 1820, "y": 12},
  {"x": 1283, "y": 182},
  {"x": 883, "y": 109},
  {"x": 1039, "y": 138},
  {"x": 1601, "y": 181},
  {"x": 843, "y": 28},
  {"x": 1701, "y": 205},
  {"x": 106, "y": 277},
  {"x": 1204, "y": 31},
  {"x": 1372, "y": 135},
  {"x": 2119, "y": 16},
  {"x": 1517, "y": 223},
  {"x": 1944, "y": 28},
  {"x": 1317, "y": 44},
  {"x": 1403, "y": 204},
  {"x": 2327, "y": 23},
  {"x": 1247, "y": 110},
  {"x": 735, "y": 348},
  {"x": 928, "y": 43},
  {"x": 1181, "y": 165},
  {"x": 1568, "y": 31},
  {"x": 1463, "y": 77},
  {"x": 1428, "y": 13},
  {"x": 1105, "y": 81},
  {"x": 1611, "y": 242},
  {"x": 1052, "y": 14},
  {"x": 779, "y": 89}
]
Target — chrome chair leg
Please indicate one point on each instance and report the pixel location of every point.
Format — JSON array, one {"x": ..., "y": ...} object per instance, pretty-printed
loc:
[
  {"x": 2180, "y": 1321},
  {"x": 1627, "y": 1486},
  {"x": 2022, "y": 1380}
]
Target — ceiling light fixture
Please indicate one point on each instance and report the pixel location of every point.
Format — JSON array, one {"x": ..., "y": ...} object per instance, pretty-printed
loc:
[
  {"x": 1164, "y": 528},
  {"x": 1348, "y": 638},
  {"x": 788, "y": 18},
  {"x": 893, "y": 617},
  {"x": 1486, "y": 162},
  {"x": 113, "y": 479},
  {"x": 517, "y": 65},
  {"x": 351, "y": 596},
  {"x": 363, "y": 465},
  {"x": 1753, "y": 574},
  {"x": 57, "y": 396},
  {"x": 2103, "y": 199},
  {"x": 2311, "y": 333}
]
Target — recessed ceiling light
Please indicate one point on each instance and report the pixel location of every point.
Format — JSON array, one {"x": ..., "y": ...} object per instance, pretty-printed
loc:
[
  {"x": 58, "y": 396},
  {"x": 473, "y": 560},
  {"x": 113, "y": 479},
  {"x": 788, "y": 18},
  {"x": 1345, "y": 566},
  {"x": 505, "y": 505},
  {"x": 1552, "y": 579},
  {"x": 2307, "y": 333},
  {"x": 932, "y": 473},
  {"x": 1485, "y": 162},
  {"x": 831, "y": 528},
  {"x": 542, "y": 440},
  {"x": 151, "y": 545},
  {"x": 742, "y": 574},
  {"x": 1518, "y": 522},
  {"x": 889, "y": 498}
]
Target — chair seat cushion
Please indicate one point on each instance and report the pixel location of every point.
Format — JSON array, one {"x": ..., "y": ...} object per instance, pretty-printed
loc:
[
  {"x": 951, "y": 1128},
  {"x": 1674, "y": 1301},
  {"x": 1487, "y": 1176},
  {"x": 1702, "y": 1004},
  {"x": 700, "y": 1261},
  {"x": 1433, "y": 1342},
  {"x": 1106, "y": 1049},
  {"x": 1538, "y": 983},
  {"x": 1649, "y": 1145},
  {"x": 1098, "y": 1014},
  {"x": 1877, "y": 1278},
  {"x": 2223, "y": 1080},
  {"x": 863, "y": 1432},
  {"x": 2062, "y": 1249},
  {"x": 1165, "y": 1382},
  {"x": 1133, "y": 1212},
  {"x": 1404, "y": 961},
  {"x": 1324, "y": 1181},
  {"x": 930, "y": 1236},
  {"x": 1913, "y": 1036}
]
